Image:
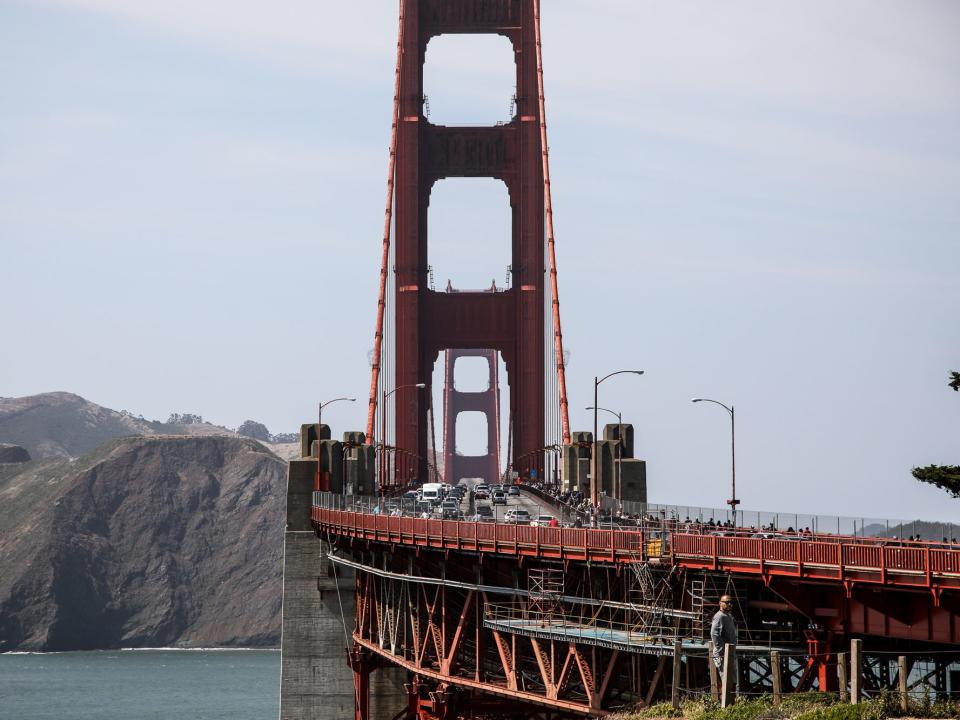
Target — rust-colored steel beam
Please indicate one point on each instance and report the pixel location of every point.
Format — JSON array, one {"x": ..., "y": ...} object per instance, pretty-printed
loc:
[{"x": 484, "y": 687}]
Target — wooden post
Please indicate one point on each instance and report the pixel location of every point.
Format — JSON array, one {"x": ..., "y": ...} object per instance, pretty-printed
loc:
[
  {"x": 842, "y": 679},
  {"x": 661, "y": 664},
  {"x": 675, "y": 689},
  {"x": 775, "y": 676},
  {"x": 902, "y": 678},
  {"x": 714, "y": 676},
  {"x": 729, "y": 686},
  {"x": 856, "y": 670}
]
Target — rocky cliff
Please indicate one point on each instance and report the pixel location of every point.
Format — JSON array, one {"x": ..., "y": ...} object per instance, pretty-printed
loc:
[{"x": 145, "y": 541}]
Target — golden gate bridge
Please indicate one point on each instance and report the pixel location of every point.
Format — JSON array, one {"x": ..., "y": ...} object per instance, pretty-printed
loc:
[{"x": 503, "y": 619}]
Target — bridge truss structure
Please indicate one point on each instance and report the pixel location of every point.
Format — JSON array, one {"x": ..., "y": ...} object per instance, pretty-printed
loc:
[{"x": 496, "y": 620}]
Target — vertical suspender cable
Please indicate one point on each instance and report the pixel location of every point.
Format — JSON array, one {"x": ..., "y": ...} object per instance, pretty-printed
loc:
[
  {"x": 557, "y": 335},
  {"x": 384, "y": 261}
]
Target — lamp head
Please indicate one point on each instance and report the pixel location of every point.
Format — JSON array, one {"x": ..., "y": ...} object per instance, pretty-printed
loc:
[
  {"x": 697, "y": 400},
  {"x": 420, "y": 385}
]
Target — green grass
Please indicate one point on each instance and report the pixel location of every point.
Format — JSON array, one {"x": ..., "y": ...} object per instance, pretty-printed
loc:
[{"x": 806, "y": 706}]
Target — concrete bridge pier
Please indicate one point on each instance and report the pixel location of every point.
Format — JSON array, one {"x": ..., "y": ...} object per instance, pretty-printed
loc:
[{"x": 316, "y": 680}]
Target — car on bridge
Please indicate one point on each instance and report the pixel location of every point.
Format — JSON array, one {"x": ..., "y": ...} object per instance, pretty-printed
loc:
[
  {"x": 518, "y": 516},
  {"x": 499, "y": 497},
  {"x": 481, "y": 491},
  {"x": 513, "y": 490},
  {"x": 484, "y": 513},
  {"x": 543, "y": 520}
]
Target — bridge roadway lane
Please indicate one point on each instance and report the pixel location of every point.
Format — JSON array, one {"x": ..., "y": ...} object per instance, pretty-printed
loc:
[{"x": 532, "y": 504}]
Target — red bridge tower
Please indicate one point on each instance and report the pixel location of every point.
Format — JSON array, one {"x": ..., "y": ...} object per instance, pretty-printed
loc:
[{"x": 511, "y": 322}]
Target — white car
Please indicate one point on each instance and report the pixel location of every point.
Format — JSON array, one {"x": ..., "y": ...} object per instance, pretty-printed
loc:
[
  {"x": 543, "y": 520},
  {"x": 518, "y": 516}
]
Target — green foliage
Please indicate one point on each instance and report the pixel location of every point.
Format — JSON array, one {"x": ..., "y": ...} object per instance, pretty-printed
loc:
[
  {"x": 255, "y": 430},
  {"x": 661, "y": 710},
  {"x": 760, "y": 708},
  {"x": 863, "y": 711},
  {"x": 945, "y": 477},
  {"x": 184, "y": 419},
  {"x": 803, "y": 706}
]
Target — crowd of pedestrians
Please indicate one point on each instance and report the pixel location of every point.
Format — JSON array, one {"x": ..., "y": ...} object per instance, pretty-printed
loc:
[{"x": 584, "y": 513}]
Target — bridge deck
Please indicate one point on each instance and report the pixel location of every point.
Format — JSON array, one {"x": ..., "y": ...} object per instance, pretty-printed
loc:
[{"x": 843, "y": 561}]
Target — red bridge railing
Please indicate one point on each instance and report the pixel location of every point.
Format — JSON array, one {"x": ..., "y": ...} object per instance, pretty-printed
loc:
[{"x": 841, "y": 561}]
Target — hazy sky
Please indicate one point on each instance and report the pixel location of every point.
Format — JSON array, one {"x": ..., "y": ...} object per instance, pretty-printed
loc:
[{"x": 757, "y": 202}]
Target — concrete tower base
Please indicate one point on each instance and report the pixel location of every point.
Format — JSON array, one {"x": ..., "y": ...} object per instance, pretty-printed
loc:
[{"x": 315, "y": 680}]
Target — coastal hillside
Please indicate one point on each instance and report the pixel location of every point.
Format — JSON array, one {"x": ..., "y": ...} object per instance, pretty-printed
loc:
[
  {"x": 144, "y": 542},
  {"x": 61, "y": 424}
]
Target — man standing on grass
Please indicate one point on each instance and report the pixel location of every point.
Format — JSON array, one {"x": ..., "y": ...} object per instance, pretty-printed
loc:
[{"x": 723, "y": 630}]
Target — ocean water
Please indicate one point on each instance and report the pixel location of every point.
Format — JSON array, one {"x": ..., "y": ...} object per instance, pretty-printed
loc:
[{"x": 141, "y": 685}]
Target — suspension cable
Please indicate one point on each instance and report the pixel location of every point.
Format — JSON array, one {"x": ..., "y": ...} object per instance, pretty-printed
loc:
[
  {"x": 385, "y": 258},
  {"x": 557, "y": 335}
]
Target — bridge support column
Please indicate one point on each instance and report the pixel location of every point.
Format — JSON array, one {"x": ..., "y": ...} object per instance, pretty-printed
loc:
[
  {"x": 312, "y": 676},
  {"x": 821, "y": 662},
  {"x": 359, "y": 661},
  {"x": 314, "y": 680}
]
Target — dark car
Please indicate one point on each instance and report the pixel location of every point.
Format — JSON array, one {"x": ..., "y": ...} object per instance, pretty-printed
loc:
[{"x": 484, "y": 514}]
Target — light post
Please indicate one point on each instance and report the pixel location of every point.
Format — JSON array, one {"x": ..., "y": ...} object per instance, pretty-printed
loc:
[
  {"x": 619, "y": 488},
  {"x": 383, "y": 431},
  {"x": 556, "y": 452},
  {"x": 594, "y": 484},
  {"x": 320, "y": 425},
  {"x": 323, "y": 405},
  {"x": 732, "y": 502}
]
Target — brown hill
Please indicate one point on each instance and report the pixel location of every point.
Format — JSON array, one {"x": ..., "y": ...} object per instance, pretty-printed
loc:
[
  {"x": 61, "y": 424},
  {"x": 147, "y": 541}
]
